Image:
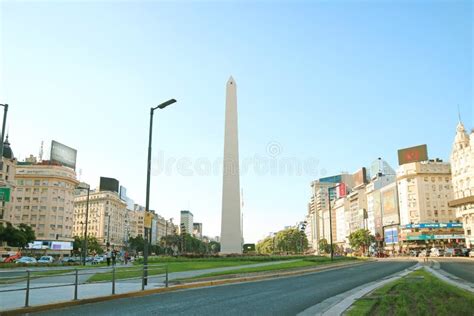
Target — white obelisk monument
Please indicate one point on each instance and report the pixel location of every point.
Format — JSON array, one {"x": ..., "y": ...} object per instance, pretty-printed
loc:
[{"x": 231, "y": 227}]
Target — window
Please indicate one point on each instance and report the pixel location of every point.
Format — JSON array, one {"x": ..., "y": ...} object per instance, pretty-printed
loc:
[
  {"x": 37, "y": 182},
  {"x": 436, "y": 213},
  {"x": 20, "y": 182}
]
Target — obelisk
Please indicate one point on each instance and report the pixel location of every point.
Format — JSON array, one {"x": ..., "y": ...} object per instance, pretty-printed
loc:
[{"x": 231, "y": 228}]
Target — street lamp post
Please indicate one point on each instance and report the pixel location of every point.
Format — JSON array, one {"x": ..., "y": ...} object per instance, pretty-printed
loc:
[
  {"x": 148, "y": 173},
  {"x": 330, "y": 219},
  {"x": 108, "y": 230},
  {"x": 85, "y": 186},
  {"x": 5, "y": 111}
]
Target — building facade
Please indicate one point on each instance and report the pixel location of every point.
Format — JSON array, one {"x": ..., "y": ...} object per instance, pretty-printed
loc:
[
  {"x": 197, "y": 230},
  {"x": 426, "y": 219},
  {"x": 107, "y": 219},
  {"x": 187, "y": 221},
  {"x": 7, "y": 179},
  {"x": 462, "y": 164},
  {"x": 43, "y": 199}
]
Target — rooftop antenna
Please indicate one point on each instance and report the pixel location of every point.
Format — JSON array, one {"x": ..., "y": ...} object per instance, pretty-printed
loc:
[{"x": 459, "y": 114}]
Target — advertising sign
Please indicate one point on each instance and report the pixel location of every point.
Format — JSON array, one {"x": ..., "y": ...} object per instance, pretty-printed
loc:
[
  {"x": 391, "y": 235},
  {"x": 412, "y": 154},
  {"x": 433, "y": 225},
  {"x": 341, "y": 190},
  {"x": 61, "y": 245},
  {"x": 433, "y": 237},
  {"x": 148, "y": 220},
  {"x": 109, "y": 184},
  {"x": 389, "y": 206},
  {"x": 5, "y": 194},
  {"x": 63, "y": 154}
]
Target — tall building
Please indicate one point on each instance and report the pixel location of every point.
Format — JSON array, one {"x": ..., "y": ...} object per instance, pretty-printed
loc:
[
  {"x": 318, "y": 208},
  {"x": 374, "y": 202},
  {"x": 231, "y": 224},
  {"x": 197, "y": 230},
  {"x": 424, "y": 190},
  {"x": 43, "y": 199},
  {"x": 106, "y": 220},
  {"x": 462, "y": 164},
  {"x": 426, "y": 219},
  {"x": 187, "y": 221}
]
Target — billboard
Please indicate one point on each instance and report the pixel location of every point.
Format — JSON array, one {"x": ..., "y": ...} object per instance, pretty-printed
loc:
[
  {"x": 360, "y": 177},
  {"x": 341, "y": 190},
  {"x": 63, "y": 154},
  {"x": 412, "y": 154},
  {"x": 61, "y": 245},
  {"x": 390, "y": 206},
  {"x": 391, "y": 235},
  {"x": 434, "y": 225},
  {"x": 109, "y": 184}
]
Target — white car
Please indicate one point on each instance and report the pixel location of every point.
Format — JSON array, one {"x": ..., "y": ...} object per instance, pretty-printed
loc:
[
  {"x": 27, "y": 260},
  {"x": 98, "y": 259},
  {"x": 46, "y": 259}
]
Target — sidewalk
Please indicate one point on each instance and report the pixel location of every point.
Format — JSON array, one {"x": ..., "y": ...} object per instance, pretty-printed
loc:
[{"x": 16, "y": 299}]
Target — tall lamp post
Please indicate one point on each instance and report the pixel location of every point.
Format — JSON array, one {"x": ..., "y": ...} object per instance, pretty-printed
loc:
[
  {"x": 148, "y": 173},
  {"x": 330, "y": 218},
  {"x": 85, "y": 186},
  {"x": 5, "y": 111}
]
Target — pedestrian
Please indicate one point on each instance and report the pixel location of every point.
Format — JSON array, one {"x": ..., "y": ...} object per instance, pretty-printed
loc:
[
  {"x": 125, "y": 258},
  {"x": 114, "y": 257},
  {"x": 107, "y": 257}
]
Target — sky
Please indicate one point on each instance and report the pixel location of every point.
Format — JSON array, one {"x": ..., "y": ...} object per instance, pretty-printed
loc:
[{"x": 322, "y": 86}]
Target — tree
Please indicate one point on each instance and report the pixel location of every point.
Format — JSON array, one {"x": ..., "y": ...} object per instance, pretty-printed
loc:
[
  {"x": 361, "y": 239},
  {"x": 265, "y": 246},
  {"x": 324, "y": 246},
  {"x": 17, "y": 237},
  {"x": 137, "y": 243},
  {"x": 93, "y": 246},
  {"x": 291, "y": 240}
]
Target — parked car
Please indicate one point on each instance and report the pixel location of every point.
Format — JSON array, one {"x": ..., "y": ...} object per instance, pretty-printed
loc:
[
  {"x": 414, "y": 253},
  {"x": 424, "y": 253},
  {"x": 434, "y": 252},
  {"x": 98, "y": 259},
  {"x": 458, "y": 253},
  {"x": 70, "y": 259},
  {"x": 46, "y": 259},
  {"x": 27, "y": 260},
  {"x": 449, "y": 252},
  {"x": 471, "y": 253}
]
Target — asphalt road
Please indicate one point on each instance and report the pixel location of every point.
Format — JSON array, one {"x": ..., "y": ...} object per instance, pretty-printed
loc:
[
  {"x": 284, "y": 296},
  {"x": 463, "y": 269}
]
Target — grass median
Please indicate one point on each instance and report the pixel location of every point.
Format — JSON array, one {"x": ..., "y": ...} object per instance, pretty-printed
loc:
[
  {"x": 178, "y": 266},
  {"x": 418, "y": 293},
  {"x": 186, "y": 264},
  {"x": 284, "y": 266}
]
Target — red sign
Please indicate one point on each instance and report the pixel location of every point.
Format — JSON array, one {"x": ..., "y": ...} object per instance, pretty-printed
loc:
[{"x": 342, "y": 190}]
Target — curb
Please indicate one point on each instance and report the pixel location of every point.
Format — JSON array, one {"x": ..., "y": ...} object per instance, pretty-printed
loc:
[
  {"x": 339, "y": 304},
  {"x": 40, "y": 308},
  {"x": 451, "y": 279}
]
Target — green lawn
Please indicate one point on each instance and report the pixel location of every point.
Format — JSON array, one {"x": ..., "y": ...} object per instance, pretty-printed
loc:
[
  {"x": 188, "y": 265},
  {"x": 301, "y": 263},
  {"x": 418, "y": 293},
  {"x": 34, "y": 275}
]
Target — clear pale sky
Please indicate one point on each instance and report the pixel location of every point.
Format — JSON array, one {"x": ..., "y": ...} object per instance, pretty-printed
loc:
[{"x": 332, "y": 85}]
